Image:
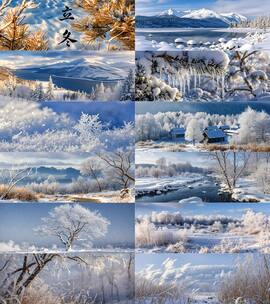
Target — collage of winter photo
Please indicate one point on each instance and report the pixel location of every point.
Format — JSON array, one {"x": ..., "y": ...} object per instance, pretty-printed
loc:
[{"x": 134, "y": 152}]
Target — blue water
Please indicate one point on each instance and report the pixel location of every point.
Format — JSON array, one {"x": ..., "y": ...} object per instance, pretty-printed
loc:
[
  {"x": 208, "y": 193},
  {"x": 73, "y": 84},
  {"x": 204, "y": 35}
]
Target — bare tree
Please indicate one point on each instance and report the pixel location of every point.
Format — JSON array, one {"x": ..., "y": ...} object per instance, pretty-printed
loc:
[
  {"x": 121, "y": 164},
  {"x": 231, "y": 165},
  {"x": 12, "y": 178},
  {"x": 92, "y": 167}
]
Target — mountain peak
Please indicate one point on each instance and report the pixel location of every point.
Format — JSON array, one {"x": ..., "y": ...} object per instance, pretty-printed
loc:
[{"x": 202, "y": 14}]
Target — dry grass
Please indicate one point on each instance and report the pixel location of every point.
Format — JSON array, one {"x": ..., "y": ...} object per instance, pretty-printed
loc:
[
  {"x": 248, "y": 147},
  {"x": 149, "y": 291},
  {"x": 249, "y": 283},
  {"x": 17, "y": 193}
]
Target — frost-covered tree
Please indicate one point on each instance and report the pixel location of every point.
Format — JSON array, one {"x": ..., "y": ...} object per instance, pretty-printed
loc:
[
  {"x": 128, "y": 89},
  {"x": 194, "y": 132},
  {"x": 230, "y": 166},
  {"x": 15, "y": 34},
  {"x": 92, "y": 167},
  {"x": 50, "y": 90},
  {"x": 38, "y": 92},
  {"x": 262, "y": 177},
  {"x": 254, "y": 127},
  {"x": 89, "y": 128},
  {"x": 73, "y": 223}
]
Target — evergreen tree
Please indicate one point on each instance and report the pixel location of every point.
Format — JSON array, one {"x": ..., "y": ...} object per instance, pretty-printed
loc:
[
  {"x": 38, "y": 93},
  {"x": 50, "y": 90},
  {"x": 112, "y": 22},
  {"x": 128, "y": 89},
  {"x": 15, "y": 33}
]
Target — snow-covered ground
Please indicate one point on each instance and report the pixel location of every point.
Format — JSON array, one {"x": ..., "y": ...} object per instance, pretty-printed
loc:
[
  {"x": 196, "y": 227},
  {"x": 247, "y": 190},
  {"x": 104, "y": 197}
]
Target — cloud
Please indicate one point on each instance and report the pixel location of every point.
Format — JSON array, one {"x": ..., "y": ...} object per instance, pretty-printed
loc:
[
  {"x": 244, "y": 7},
  {"x": 9, "y": 246}
]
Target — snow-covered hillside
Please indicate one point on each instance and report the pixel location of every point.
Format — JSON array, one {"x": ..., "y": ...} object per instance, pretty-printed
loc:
[{"x": 190, "y": 18}]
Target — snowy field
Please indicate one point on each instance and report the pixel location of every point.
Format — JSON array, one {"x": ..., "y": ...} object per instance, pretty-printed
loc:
[
  {"x": 198, "y": 279},
  {"x": 201, "y": 228}
]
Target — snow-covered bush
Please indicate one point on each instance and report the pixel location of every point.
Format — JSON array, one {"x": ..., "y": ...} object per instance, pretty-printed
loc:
[{"x": 147, "y": 234}]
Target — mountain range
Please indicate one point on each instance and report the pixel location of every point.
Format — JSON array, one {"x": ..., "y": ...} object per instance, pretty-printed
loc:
[
  {"x": 81, "y": 68},
  {"x": 202, "y": 18}
]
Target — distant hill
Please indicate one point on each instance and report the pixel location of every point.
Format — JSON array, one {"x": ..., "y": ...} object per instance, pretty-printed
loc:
[{"x": 202, "y": 18}]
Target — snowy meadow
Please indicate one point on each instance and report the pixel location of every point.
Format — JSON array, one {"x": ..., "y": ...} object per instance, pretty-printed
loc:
[
  {"x": 197, "y": 279},
  {"x": 65, "y": 228},
  {"x": 67, "y": 76},
  {"x": 65, "y": 127},
  {"x": 203, "y": 228},
  {"x": 67, "y": 278},
  {"x": 220, "y": 176},
  {"x": 67, "y": 177}
]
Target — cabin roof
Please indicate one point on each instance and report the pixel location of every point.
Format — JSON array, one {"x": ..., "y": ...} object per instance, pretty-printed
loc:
[{"x": 214, "y": 132}]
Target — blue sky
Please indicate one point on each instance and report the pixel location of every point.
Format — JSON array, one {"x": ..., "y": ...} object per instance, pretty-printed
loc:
[
  {"x": 17, "y": 222},
  {"x": 112, "y": 113},
  {"x": 245, "y": 7},
  {"x": 143, "y": 260},
  {"x": 26, "y": 59},
  {"x": 222, "y": 108}
]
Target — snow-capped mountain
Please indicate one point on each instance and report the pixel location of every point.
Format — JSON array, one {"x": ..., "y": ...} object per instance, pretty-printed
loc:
[
  {"x": 81, "y": 68},
  {"x": 172, "y": 12},
  {"x": 202, "y": 14},
  {"x": 190, "y": 18},
  {"x": 234, "y": 17}
]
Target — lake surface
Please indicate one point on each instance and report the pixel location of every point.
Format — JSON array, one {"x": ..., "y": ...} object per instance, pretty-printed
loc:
[
  {"x": 199, "y": 35},
  {"x": 73, "y": 84}
]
